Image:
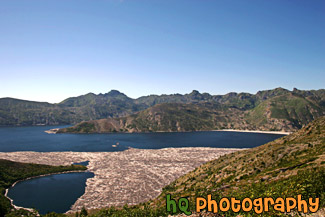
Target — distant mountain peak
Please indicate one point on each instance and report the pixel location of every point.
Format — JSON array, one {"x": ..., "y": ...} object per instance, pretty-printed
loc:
[
  {"x": 194, "y": 92},
  {"x": 114, "y": 93}
]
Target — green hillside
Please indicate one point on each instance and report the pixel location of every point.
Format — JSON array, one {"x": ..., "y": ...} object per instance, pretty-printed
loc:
[{"x": 287, "y": 111}]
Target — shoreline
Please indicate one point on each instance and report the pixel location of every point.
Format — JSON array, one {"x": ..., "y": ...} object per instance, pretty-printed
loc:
[
  {"x": 52, "y": 131},
  {"x": 55, "y": 130},
  {"x": 12, "y": 202},
  {"x": 255, "y": 131}
]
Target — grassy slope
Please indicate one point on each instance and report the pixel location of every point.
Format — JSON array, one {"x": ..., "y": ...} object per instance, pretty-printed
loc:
[
  {"x": 10, "y": 172},
  {"x": 285, "y": 111}
]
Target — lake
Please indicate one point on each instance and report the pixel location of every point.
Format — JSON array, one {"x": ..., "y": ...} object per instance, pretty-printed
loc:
[
  {"x": 53, "y": 193},
  {"x": 35, "y": 139},
  {"x": 58, "y": 192}
]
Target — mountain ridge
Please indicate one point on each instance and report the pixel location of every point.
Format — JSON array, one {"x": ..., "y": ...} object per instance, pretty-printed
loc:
[
  {"x": 287, "y": 111},
  {"x": 114, "y": 104}
]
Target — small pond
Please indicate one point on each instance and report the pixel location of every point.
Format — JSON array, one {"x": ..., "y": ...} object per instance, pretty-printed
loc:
[{"x": 52, "y": 193}]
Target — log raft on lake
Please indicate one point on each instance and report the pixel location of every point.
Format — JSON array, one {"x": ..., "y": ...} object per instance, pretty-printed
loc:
[{"x": 132, "y": 176}]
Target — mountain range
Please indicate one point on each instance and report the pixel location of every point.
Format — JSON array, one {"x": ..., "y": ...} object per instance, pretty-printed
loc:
[{"x": 276, "y": 109}]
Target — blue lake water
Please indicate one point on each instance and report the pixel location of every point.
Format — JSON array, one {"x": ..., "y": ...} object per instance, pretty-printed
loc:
[
  {"x": 35, "y": 139},
  {"x": 53, "y": 193}
]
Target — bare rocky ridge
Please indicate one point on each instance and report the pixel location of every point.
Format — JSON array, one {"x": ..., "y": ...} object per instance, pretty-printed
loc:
[{"x": 132, "y": 176}]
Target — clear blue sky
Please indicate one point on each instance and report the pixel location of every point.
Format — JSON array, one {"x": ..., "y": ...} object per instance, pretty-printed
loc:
[{"x": 50, "y": 50}]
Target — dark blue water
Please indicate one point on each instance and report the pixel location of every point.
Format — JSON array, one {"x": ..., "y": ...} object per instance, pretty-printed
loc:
[
  {"x": 35, "y": 139},
  {"x": 83, "y": 163},
  {"x": 53, "y": 193}
]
